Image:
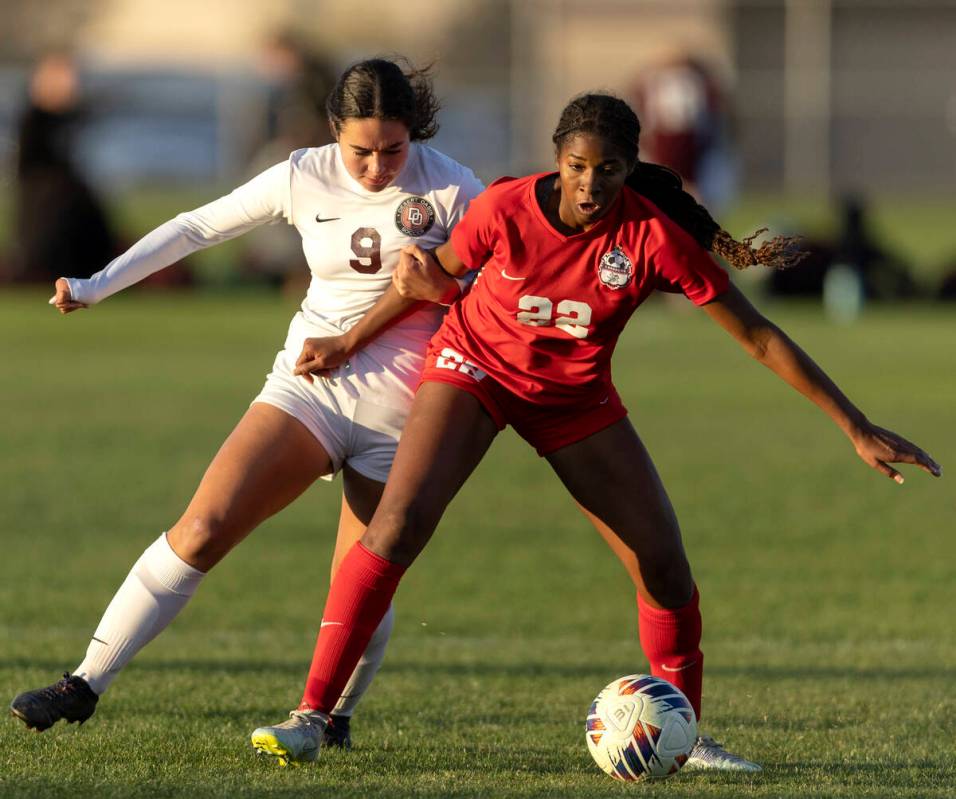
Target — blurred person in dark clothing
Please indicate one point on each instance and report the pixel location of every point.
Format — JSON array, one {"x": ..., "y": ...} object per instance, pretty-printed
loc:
[
  {"x": 947, "y": 288},
  {"x": 885, "y": 276},
  {"x": 298, "y": 81},
  {"x": 881, "y": 273},
  {"x": 60, "y": 226}
]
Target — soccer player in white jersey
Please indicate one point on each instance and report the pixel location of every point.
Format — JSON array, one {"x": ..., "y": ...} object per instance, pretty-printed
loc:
[{"x": 335, "y": 400}]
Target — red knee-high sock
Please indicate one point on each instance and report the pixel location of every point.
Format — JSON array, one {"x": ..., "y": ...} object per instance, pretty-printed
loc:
[
  {"x": 358, "y": 598},
  {"x": 671, "y": 641}
]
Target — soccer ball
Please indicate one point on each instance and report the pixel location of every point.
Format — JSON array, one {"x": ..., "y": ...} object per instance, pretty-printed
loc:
[{"x": 640, "y": 726}]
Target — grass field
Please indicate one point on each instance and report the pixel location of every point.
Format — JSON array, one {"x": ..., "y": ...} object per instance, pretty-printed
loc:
[{"x": 827, "y": 590}]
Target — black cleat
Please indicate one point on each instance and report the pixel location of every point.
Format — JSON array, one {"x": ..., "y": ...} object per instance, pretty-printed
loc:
[
  {"x": 71, "y": 698},
  {"x": 337, "y": 733}
]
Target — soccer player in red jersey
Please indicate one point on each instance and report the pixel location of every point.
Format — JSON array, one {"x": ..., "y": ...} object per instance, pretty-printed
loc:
[{"x": 566, "y": 259}]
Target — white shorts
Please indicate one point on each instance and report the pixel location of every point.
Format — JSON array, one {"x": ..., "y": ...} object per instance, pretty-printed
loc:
[{"x": 350, "y": 429}]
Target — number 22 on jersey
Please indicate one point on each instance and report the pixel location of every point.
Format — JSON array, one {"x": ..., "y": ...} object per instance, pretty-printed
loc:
[{"x": 573, "y": 316}]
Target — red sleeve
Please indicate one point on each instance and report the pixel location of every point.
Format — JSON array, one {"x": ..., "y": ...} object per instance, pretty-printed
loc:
[
  {"x": 682, "y": 265},
  {"x": 473, "y": 238}
]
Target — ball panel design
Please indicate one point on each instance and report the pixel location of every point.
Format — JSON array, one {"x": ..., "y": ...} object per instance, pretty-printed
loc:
[{"x": 640, "y": 726}]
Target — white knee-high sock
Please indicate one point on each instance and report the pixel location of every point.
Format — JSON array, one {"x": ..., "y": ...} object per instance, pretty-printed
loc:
[
  {"x": 158, "y": 586},
  {"x": 367, "y": 666}
]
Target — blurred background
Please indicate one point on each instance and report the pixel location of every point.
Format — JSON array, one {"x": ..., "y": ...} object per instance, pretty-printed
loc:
[{"x": 835, "y": 119}]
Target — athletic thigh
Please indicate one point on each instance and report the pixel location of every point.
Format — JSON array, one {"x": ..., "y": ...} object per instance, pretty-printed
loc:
[
  {"x": 611, "y": 476},
  {"x": 447, "y": 434},
  {"x": 267, "y": 461},
  {"x": 360, "y": 498}
]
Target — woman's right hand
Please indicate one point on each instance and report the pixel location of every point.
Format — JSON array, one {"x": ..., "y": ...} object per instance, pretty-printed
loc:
[
  {"x": 63, "y": 300},
  {"x": 321, "y": 355}
]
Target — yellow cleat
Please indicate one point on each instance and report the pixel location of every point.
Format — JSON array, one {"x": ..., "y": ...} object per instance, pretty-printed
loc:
[{"x": 294, "y": 741}]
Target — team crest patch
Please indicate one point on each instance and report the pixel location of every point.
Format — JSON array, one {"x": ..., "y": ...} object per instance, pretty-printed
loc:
[
  {"x": 415, "y": 216},
  {"x": 615, "y": 269}
]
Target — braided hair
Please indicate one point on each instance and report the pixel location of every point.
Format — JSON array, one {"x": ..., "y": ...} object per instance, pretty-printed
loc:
[
  {"x": 612, "y": 119},
  {"x": 381, "y": 88}
]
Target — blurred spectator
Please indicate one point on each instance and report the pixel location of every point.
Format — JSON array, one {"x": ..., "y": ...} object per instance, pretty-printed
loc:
[
  {"x": 684, "y": 125},
  {"x": 806, "y": 278},
  {"x": 947, "y": 288},
  {"x": 885, "y": 276},
  {"x": 882, "y": 274},
  {"x": 61, "y": 227},
  {"x": 298, "y": 80}
]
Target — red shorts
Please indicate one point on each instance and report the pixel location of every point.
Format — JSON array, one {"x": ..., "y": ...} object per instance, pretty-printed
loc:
[{"x": 547, "y": 428}]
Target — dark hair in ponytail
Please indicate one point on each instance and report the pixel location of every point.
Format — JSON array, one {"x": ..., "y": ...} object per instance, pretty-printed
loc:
[
  {"x": 382, "y": 89},
  {"x": 613, "y": 120}
]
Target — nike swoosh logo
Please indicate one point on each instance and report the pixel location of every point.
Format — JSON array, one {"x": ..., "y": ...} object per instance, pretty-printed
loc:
[
  {"x": 506, "y": 276},
  {"x": 604, "y": 402},
  {"x": 679, "y": 668},
  {"x": 331, "y": 623},
  {"x": 318, "y": 218}
]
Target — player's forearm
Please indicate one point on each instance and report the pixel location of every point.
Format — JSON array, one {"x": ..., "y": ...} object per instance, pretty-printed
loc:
[
  {"x": 449, "y": 262},
  {"x": 444, "y": 289},
  {"x": 420, "y": 276},
  {"x": 775, "y": 350},
  {"x": 169, "y": 243},
  {"x": 389, "y": 308},
  {"x": 260, "y": 200},
  {"x": 165, "y": 245}
]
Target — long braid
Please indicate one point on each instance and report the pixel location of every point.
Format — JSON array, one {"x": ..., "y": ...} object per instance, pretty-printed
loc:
[
  {"x": 611, "y": 118},
  {"x": 664, "y": 188}
]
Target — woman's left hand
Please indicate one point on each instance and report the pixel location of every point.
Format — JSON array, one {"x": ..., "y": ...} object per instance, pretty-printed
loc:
[
  {"x": 419, "y": 277},
  {"x": 879, "y": 448},
  {"x": 320, "y": 356}
]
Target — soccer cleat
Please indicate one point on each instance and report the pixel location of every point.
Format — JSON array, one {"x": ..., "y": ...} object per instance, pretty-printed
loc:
[
  {"x": 294, "y": 741},
  {"x": 337, "y": 732},
  {"x": 71, "y": 698},
  {"x": 707, "y": 753}
]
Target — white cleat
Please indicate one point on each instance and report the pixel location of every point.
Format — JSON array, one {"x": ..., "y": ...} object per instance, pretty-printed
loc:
[
  {"x": 294, "y": 741},
  {"x": 707, "y": 753}
]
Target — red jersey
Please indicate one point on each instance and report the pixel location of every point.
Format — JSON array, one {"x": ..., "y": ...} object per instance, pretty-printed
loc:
[{"x": 545, "y": 314}]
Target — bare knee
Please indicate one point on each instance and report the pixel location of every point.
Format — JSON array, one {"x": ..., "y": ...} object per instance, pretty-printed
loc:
[
  {"x": 667, "y": 581},
  {"x": 202, "y": 541},
  {"x": 399, "y": 534}
]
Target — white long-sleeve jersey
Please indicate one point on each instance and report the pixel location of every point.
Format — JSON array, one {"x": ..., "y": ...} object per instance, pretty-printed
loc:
[{"x": 351, "y": 238}]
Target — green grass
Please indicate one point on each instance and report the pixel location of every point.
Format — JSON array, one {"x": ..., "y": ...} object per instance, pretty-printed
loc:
[{"x": 827, "y": 590}]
